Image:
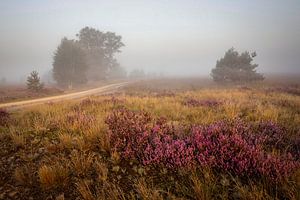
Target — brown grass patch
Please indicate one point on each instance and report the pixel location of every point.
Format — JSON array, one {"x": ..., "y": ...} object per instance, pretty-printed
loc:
[
  {"x": 53, "y": 176},
  {"x": 84, "y": 190},
  {"x": 18, "y": 139},
  {"x": 81, "y": 162}
]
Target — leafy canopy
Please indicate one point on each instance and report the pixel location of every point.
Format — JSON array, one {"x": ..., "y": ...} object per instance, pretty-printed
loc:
[
  {"x": 100, "y": 48},
  {"x": 69, "y": 66}
]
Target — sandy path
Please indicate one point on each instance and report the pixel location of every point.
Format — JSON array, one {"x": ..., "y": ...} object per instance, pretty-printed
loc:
[{"x": 100, "y": 90}]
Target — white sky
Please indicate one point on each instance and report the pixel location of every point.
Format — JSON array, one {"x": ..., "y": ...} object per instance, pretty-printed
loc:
[{"x": 174, "y": 37}]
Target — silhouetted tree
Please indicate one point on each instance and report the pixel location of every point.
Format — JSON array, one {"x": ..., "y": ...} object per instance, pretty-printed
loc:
[
  {"x": 100, "y": 48},
  {"x": 69, "y": 65},
  {"x": 34, "y": 83},
  {"x": 235, "y": 67}
]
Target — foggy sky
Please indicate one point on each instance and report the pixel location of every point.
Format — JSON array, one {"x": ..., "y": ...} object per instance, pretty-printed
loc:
[{"x": 174, "y": 37}]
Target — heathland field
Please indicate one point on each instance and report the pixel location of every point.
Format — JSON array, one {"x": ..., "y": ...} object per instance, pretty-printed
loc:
[{"x": 156, "y": 140}]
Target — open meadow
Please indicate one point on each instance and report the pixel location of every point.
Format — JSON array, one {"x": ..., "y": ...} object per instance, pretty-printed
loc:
[
  {"x": 11, "y": 93},
  {"x": 156, "y": 139}
]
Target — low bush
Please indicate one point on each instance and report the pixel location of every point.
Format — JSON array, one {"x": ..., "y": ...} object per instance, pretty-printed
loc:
[{"x": 232, "y": 147}]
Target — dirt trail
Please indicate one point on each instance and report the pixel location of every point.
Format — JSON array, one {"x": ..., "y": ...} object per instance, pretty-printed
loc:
[{"x": 100, "y": 90}]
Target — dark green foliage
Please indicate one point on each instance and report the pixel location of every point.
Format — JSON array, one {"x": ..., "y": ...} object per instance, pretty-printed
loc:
[
  {"x": 33, "y": 82},
  {"x": 235, "y": 67},
  {"x": 69, "y": 66},
  {"x": 100, "y": 48}
]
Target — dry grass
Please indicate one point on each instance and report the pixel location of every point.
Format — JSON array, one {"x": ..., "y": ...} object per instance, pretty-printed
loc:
[
  {"x": 20, "y": 176},
  {"x": 146, "y": 192},
  {"x": 60, "y": 197},
  {"x": 102, "y": 171},
  {"x": 106, "y": 191},
  {"x": 111, "y": 191},
  {"x": 204, "y": 186},
  {"x": 75, "y": 159},
  {"x": 200, "y": 190},
  {"x": 25, "y": 175},
  {"x": 53, "y": 176},
  {"x": 81, "y": 162},
  {"x": 252, "y": 192},
  {"x": 48, "y": 177},
  {"x": 66, "y": 140},
  {"x": 84, "y": 190},
  {"x": 18, "y": 139},
  {"x": 115, "y": 157}
]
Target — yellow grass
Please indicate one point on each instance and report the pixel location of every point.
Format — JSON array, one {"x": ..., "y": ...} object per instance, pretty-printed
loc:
[
  {"x": 77, "y": 155},
  {"x": 53, "y": 176}
]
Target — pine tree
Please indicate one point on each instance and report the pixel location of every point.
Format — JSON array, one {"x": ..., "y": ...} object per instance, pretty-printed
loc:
[
  {"x": 33, "y": 82},
  {"x": 235, "y": 67}
]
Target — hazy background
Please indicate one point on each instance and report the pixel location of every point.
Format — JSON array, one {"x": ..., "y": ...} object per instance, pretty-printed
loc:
[{"x": 174, "y": 37}]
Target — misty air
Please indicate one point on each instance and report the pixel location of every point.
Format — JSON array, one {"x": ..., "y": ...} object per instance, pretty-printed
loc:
[{"x": 149, "y": 99}]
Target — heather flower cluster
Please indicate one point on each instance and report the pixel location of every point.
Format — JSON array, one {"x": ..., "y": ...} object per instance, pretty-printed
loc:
[
  {"x": 230, "y": 146},
  {"x": 114, "y": 100},
  {"x": 241, "y": 149},
  {"x": 197, "y": 103},
  {"x": 270, "y": 136},
  {"x": 294, "y": 90},
  {"x": 4, "y": 117},
  {"x": 93, "y": 102},
  {"x": 89, "y": 102}
]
